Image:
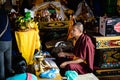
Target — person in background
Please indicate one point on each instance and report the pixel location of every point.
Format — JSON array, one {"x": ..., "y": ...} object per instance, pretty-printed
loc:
[
  {"x": 82, "y": 57},
  {"x": 5, "y": 45}
]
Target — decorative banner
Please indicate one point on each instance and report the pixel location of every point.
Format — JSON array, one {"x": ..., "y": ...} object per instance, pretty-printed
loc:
[
  {"x": 83, "y": 11},
  {"x": 102, "y": 25},
  {"x": 109, "y": 58},
  {"x": 117, "y": 27},
  {"x": 109, "y": 26},
  {"x": 54, "y": 24},
  {"x": 107, "y": 42}
]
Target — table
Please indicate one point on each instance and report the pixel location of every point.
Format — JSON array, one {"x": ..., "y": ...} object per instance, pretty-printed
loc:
[
  {"x": 27, "y": 42},
  {"x": 58, "y": 76}
]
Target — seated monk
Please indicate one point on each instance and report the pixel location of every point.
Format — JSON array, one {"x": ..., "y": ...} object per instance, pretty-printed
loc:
[{"x": 81, "y": 59}]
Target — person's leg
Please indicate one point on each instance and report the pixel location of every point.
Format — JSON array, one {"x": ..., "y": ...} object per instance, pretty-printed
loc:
[
  {"x": 8, "y": 55},
  {"x": 2, "y": 70},
  {"x": 59, "y": 61},
  {"x": 81, "y": 68},
  {"x": 8, "y": 59}
]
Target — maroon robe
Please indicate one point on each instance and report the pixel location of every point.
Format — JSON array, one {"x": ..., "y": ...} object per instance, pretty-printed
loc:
[{"x": 83, "y": 49}]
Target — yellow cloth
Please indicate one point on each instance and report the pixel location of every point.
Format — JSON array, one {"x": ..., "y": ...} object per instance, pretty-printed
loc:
[{"x": 27, "y": 42}]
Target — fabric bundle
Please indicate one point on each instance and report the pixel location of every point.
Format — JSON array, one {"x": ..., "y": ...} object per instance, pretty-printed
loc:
[
  {"x": 49, "y": 73},
  {"x": 71, "y": 75}
]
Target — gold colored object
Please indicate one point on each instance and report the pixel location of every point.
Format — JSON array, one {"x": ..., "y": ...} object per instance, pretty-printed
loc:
[
  {"x": 40, "y": 59},
  {"x": 22, "y": 27}
]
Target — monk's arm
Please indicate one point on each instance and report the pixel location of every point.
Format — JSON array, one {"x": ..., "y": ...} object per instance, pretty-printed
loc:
[
  {"x": 69, "y": 54},
  {"x": 78, "y": 60},
  {"x": 73, "y": 61},
  {"x": 65, "y": 54}
]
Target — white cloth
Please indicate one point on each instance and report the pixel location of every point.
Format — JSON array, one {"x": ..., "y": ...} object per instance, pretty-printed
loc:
[{"x": 88, "y": 76}]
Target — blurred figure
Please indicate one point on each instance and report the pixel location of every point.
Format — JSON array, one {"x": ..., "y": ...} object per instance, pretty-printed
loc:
[{"x": 5, "y": 45}]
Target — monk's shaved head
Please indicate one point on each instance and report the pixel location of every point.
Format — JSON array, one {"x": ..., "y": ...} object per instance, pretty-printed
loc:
[{"x": 79, "y": 25}]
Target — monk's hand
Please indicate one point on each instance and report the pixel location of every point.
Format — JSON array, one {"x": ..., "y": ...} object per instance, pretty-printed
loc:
[
  {"x": 63, "y": 64},
  {"x": 61, "y": 54}
]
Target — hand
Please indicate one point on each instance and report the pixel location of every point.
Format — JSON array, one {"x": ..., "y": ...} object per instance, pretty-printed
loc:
[
  {"x": 63, "y": 64},
  {"x": 61, "y": 54}
]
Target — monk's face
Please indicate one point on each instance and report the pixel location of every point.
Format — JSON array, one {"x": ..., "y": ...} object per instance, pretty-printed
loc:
[{"x": 75, "y": 32}]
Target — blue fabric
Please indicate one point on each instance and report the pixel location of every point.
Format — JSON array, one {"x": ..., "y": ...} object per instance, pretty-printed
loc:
[
  {"x": 3, "y": 20},
  {"x": 71, "y": 75},
  {"x": 49, "y": 73},
  {"x": 22, "y": 76}
]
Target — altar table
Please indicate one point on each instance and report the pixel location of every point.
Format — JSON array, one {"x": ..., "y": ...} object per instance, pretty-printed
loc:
[{"x": 27, "y": 42}]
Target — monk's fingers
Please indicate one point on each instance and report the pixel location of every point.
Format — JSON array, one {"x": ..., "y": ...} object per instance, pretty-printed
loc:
[
  {"x": 61, "y": 54},
  {"x": 63, "y": 65}
]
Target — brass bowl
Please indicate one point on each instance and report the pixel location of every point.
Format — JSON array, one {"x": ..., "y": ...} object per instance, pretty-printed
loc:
[{"x": 40, "y": 58}]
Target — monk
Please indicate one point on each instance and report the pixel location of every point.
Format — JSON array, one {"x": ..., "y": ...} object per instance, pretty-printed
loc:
[{"x": 83, "y": 54}]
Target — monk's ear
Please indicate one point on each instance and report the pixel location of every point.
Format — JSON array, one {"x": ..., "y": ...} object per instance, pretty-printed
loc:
[{"x": 80, "y": 31}]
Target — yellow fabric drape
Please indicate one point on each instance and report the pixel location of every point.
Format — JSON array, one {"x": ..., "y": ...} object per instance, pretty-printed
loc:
[{"x": 27, "y": 42}]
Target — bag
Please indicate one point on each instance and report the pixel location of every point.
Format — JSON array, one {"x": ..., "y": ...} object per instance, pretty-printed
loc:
[
  {"x": 23, "y": 76},
  {"x": 29, "y": 76},
  {"x": 62, "y": 46},
  {"x": 71, "y": 75}
]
